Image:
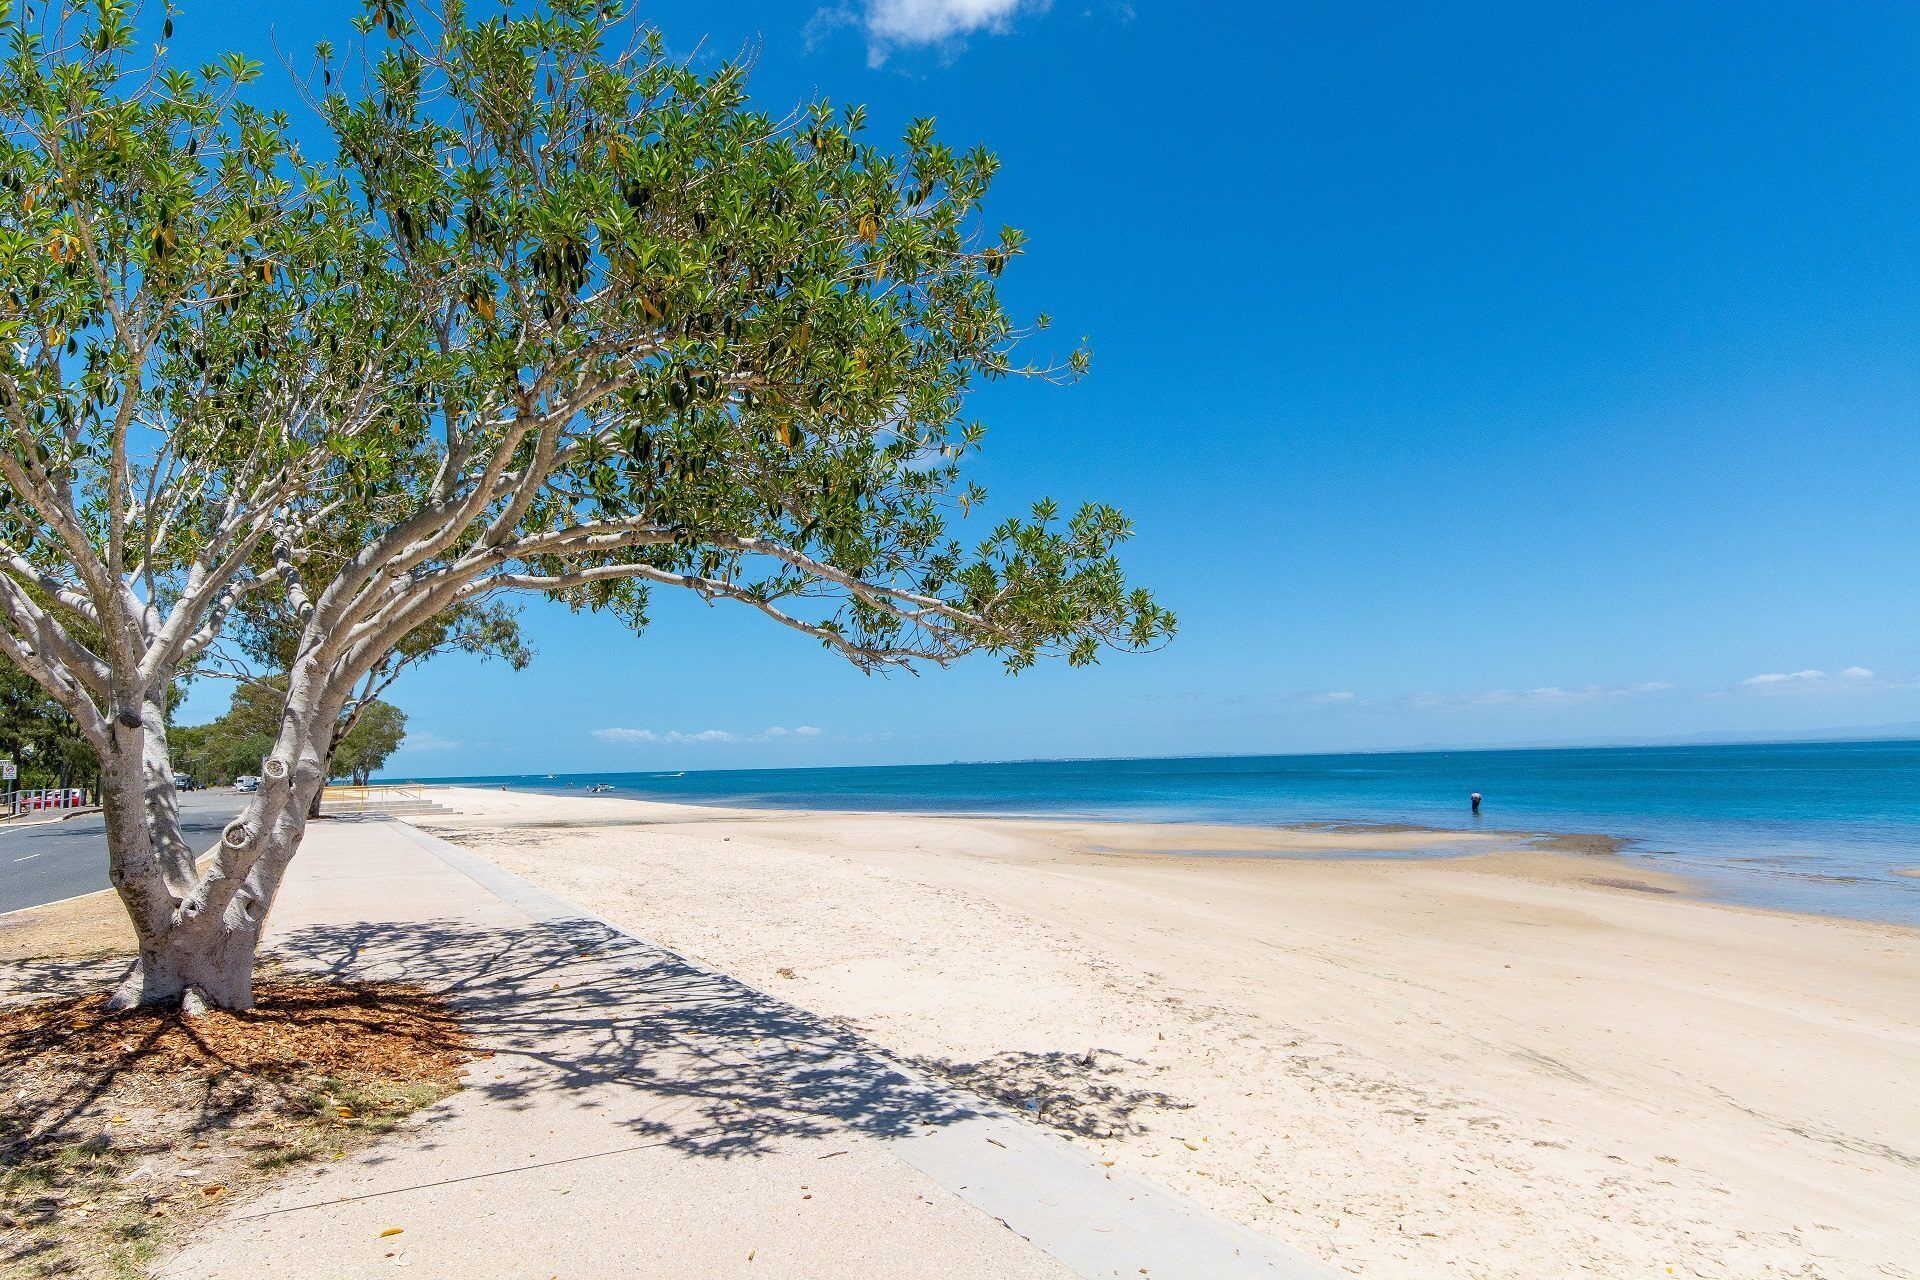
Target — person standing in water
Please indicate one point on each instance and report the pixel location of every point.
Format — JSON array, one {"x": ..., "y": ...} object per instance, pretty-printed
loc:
[{"x": 1476, "y": 804}]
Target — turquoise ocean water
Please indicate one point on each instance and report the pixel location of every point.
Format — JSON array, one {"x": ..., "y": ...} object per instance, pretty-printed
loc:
[{"x": 1803, "y": 826}]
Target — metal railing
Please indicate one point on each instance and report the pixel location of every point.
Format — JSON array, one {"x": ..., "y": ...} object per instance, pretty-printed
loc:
[
  {"x": 27, "y": 800},
  {"x": 372, "y": 798}
]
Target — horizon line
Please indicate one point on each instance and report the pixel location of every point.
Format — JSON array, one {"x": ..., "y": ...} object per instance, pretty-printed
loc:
[{"x": 1898, "y": 734}]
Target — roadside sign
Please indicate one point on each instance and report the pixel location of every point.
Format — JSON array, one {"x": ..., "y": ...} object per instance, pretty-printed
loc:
[{"x": 7, "y": 771}]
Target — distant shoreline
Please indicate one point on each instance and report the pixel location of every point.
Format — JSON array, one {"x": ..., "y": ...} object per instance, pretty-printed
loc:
[
  {"x": 1589, "y": 843},
  {"x": 1551, "y": 856},
  {"x": 1908, "y": 736},
  {"x": 1808, "y": 827},
  {"x": 1803, "y": 826}
]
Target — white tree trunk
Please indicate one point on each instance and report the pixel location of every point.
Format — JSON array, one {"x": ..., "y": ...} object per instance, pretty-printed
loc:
[
  {"x": 170, "y": 847},
  {"x": 198, "y": 930},
  {"x": 134, "y": 869},
  {"x": 206, "y": 966},
  {"x": 205, "y": 953}
]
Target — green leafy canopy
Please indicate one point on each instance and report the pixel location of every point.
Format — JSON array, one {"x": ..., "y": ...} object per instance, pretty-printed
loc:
[{"x": 560, "y": 314}]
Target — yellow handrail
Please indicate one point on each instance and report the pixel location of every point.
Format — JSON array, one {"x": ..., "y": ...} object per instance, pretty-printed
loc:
[
  {"x": 373, "y": 794},
  {"x": 413, "y": 790}
]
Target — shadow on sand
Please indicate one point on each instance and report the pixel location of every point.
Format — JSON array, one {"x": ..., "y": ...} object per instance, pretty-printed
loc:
[
  {"x": 676, "y": 1054},
  {"x": 689, "y": 1058}
]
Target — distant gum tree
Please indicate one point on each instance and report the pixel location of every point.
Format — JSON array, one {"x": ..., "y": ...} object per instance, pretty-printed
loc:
[
  {"x": 40, "y": 737},
  {"x": 376, "y": 734},
  {"x": 557, "y": 315},
  {"x": 268, "y": 641}
]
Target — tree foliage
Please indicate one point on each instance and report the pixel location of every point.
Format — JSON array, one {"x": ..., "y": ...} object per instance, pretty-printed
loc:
[
  {"x": 169, "y": 262},
  {"x": 556, "y": 315},
  {"x": 377, "y": 733},
  {"x": 737, "y": 347},
  {"x": 234, "y": 744},
  {"x": 268, "y": 636},
  {"x": 40, "y": 737}
]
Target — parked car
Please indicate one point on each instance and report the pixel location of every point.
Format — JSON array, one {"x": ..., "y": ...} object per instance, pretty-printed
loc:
[
  {"x": 185, "y": 782},
  {"x": 246, "y": 782}
]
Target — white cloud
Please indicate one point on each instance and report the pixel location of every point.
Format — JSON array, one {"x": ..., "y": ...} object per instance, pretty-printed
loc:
[
  {"x": 931, "y": 21},
  {"x": 900, "y": 24},
  {"x": 1849, "y": 679},
  {"x": 1551, "y": 695},
  {"x": 632, "y": 736}
]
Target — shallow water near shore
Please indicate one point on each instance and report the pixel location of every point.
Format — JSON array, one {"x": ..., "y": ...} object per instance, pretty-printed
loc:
[{"x": 1821, "y": 827}]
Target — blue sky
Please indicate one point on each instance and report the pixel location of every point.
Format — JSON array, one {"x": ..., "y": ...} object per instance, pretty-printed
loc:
[{"x": 1474, "y": 374}]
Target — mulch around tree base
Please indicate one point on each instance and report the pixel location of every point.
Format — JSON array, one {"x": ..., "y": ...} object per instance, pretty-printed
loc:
[{"x": 122, "y": 1130}]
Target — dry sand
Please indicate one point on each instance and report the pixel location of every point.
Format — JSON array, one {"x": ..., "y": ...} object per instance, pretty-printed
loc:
[
  {"x": 1506, "y": 1063},
  {"x": 93, "y": 924}
]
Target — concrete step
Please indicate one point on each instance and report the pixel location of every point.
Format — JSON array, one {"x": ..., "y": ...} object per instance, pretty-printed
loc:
[{"x": 393, "y": 808}]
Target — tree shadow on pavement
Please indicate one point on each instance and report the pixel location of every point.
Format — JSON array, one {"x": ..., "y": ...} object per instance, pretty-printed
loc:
[{"x": 672, "y": 1051}]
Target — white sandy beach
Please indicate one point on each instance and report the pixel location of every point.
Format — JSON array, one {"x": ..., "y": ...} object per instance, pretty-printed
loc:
[{"x": 1504, "y": 1064}]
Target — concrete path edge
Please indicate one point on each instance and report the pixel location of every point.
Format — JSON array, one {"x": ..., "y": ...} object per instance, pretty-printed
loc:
[{"x": 1099, "y": 1222}]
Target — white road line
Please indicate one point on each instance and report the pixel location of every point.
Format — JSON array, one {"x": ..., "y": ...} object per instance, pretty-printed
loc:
[{"x": 29, "y": 858}]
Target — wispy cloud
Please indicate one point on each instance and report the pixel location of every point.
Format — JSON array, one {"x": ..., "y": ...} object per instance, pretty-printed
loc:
[
  {"x": 899, "y": 24},
  {"x": 1857, "y": 680},
  {"x": 774, "y": 734},
  {"x": 1815, "y": 681},
  {"x": 1543, "y": 696},
  {"x": 1551, "y": 695}
]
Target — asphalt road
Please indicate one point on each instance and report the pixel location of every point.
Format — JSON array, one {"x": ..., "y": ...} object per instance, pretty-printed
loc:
[{"x": 50, "y": 861}]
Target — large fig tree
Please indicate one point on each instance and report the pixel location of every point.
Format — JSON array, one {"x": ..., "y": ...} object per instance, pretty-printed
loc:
[{"x": 553, "y": 314}]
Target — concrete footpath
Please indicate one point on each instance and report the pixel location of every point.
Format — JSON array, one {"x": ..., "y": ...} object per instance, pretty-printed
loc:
[{"x": 643, "y": 1116}]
